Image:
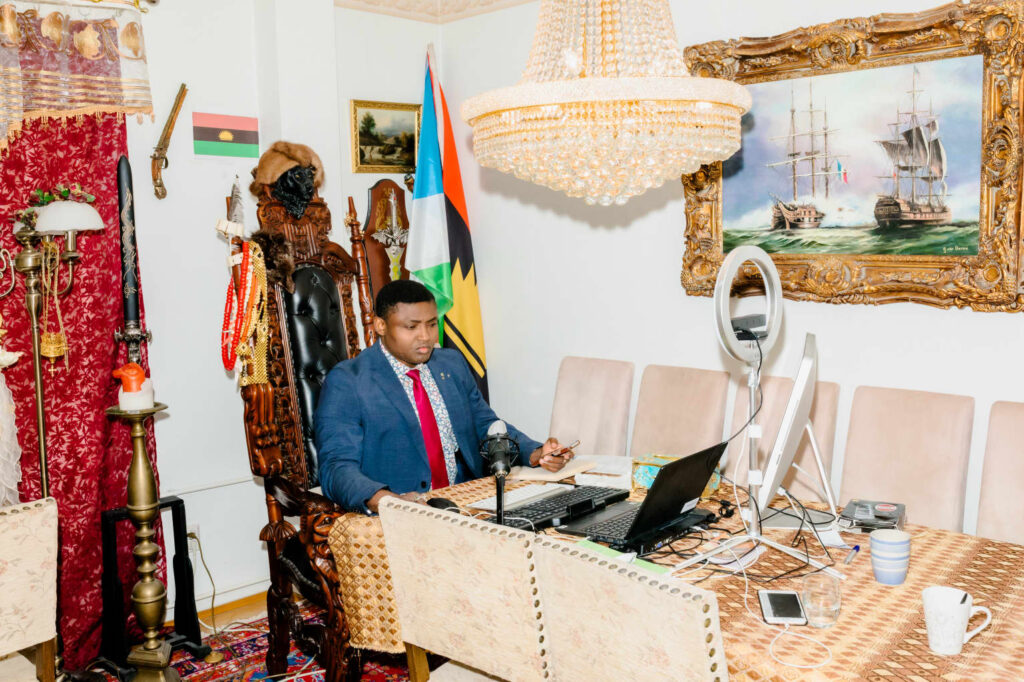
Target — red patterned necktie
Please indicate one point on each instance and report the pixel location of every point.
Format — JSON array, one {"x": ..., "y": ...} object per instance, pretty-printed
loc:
[{"x": 431, "y": 434}]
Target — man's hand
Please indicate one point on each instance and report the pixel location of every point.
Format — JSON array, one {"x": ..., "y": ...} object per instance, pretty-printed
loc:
[
  {"x": 374, "y": 502},
  {"x": 545, "y": 456}
]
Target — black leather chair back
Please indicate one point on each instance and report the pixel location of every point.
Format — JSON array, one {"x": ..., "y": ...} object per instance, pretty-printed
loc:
[{"x": 316, "y": 331}]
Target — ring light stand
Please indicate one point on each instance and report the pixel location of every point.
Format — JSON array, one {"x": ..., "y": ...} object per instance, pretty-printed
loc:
[{"x": 750, "y": 354}]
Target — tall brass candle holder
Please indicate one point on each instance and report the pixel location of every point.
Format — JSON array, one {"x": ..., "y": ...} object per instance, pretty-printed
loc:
[{"x": 149, "y": 596}]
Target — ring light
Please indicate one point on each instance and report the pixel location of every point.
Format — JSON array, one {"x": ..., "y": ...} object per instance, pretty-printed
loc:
[{"x": 746, "y": 351}]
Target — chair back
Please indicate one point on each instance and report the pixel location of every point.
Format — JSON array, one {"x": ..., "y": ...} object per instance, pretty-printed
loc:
[
  {"x": 591, "y": 405},
  {"x": 1002, "y": 505},
  {"x": 910, "y": 447},
  {"x": 606, "y": 620},
  {"x": 775, "y": 396},
  {"x": 28, "y": 574},
  {"x": 466, "y": 589},
  {"x": 680, "y": 410},
  {"x": 378, "y": 246},
  {"x": 312, "y": 327}
]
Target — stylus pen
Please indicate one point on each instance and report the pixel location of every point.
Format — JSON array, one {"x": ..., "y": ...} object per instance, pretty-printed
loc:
[{"x": 852, "y": 555}]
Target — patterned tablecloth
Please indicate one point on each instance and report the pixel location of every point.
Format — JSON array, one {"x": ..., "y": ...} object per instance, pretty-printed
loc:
[{"x": 880, "y": 634}]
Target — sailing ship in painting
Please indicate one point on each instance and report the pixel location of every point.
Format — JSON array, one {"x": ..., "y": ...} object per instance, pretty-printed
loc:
[
  {"x": 808, "y": 156},
  {"x": 919, "y": 165}
]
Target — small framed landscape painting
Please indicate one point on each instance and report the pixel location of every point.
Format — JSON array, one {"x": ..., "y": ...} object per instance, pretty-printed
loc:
[
  {"x": 385, "y": 136},
  {"x": 881, "y": 160}
]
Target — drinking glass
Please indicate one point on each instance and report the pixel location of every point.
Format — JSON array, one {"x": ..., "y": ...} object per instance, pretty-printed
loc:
[{"x": 822, "y": 598}]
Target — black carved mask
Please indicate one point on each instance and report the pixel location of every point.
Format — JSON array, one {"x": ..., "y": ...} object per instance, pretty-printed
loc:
[{"x": 295, "y": 189}]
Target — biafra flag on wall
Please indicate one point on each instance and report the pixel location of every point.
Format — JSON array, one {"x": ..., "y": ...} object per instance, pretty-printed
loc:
[{"x": 221, "y": 135}]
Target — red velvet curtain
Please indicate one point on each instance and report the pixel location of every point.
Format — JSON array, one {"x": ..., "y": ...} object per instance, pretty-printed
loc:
[{"x": 88, "y": 454}]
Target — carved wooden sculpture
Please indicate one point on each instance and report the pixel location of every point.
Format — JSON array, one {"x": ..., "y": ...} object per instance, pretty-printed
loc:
[
  {"x": 380, "y": 247},
  {"x": 312, "y": 326}
]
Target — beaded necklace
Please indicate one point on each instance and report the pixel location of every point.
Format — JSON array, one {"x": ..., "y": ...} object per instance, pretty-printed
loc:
[{"x": 234, "y": 309}]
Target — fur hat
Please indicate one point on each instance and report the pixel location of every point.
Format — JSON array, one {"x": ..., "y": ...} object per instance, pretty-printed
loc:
[{"x": 283, "y": 156}]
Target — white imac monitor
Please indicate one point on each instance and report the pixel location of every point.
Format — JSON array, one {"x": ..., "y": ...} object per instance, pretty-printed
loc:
[{"x": 794, "y": 423}]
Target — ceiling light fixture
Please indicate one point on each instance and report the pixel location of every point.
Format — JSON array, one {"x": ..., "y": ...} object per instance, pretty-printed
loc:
[{"x": 606, "y": 108}]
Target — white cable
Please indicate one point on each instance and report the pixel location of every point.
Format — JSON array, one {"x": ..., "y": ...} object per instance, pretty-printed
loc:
[
  {"x": 771, "y": 647},
  {"x": 736, "y": 485}
]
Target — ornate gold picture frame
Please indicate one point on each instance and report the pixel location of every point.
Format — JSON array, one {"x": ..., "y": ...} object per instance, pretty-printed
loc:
[
  {"x": 992, "y": 279},
  {"x": 385, "y": 136}
]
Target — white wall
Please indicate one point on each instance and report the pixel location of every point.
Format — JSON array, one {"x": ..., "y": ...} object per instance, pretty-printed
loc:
[
  {"x": 612, "y": 288},
  {"x": 200, "y": 441},
  {"x": 380, "y": 58},
  {"x": 294, "y": 64}
]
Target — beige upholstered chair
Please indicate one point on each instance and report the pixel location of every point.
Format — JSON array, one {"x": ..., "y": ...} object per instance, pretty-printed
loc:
[
  {"x": 1002, "y": 504},
  {"x": 466, "y": 590},
  {"x": 680, "y": 410},
  {"x": 28, "y": 581},
  {"x": 776, "y": 391},
  {"x": 910, "y": 447},
  {"x": 606, "y": 620},
  {"x": 592, "y": 405}
]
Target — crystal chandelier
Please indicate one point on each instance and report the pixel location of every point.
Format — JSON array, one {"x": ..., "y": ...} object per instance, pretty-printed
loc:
[{"x": 606, "y": 108}]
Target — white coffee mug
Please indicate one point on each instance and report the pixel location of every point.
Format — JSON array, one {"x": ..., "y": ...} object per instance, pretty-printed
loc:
[{"x": 946, "y": 613}]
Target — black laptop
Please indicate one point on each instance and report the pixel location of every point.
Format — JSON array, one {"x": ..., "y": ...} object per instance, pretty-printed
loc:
[{"x": 668, "y": 509}]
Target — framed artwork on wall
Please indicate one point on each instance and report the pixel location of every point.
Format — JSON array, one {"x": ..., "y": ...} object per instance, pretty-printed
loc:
[
  {"x": 880, "y": 160},
  {"x": 385, "y": 136}
]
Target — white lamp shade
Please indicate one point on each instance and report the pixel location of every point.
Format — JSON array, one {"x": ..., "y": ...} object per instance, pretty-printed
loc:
[{"x": 61, "y": 217}]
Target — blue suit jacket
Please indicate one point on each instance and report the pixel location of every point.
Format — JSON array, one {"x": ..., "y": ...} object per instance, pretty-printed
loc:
[{"x": 368, "y": 436}]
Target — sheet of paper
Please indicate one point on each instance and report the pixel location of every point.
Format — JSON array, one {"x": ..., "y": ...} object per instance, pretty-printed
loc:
[{"x": 610, "y": 471}]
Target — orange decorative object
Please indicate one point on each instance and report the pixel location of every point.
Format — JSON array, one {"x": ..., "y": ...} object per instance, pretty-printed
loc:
[{"x": 131, "y": 376}]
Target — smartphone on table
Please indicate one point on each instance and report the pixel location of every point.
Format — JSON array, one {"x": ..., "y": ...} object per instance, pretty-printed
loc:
[
  {"x": 781, "y": 607},
  {"x": 562, "y": 452}
]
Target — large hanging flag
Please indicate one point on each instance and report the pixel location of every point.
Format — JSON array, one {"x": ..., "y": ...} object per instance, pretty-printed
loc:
[{"x": 440, "y": 251}]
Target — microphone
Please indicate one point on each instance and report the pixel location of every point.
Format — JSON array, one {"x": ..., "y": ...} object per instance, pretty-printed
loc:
[
  {"x": 498, "y": 450},
  {"x": 500, "y": 453}
]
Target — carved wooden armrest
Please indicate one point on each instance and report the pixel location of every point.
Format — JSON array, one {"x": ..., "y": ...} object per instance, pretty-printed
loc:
[{"x": 317, "y": 514}]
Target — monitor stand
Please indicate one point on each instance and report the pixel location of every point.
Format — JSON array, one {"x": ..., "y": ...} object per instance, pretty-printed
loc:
[
  {"x": 819, "y": 519},
  {"x": 755, "y": 475}
]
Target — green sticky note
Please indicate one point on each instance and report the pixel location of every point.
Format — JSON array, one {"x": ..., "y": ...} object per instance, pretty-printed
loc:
[{"x": 611, "y": 554}]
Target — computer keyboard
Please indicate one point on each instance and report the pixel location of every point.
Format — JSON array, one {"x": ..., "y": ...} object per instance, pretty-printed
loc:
[
  {"x": 563, "y": 507},
  {"x": 613, "y": 528},
  {"x": 518, "y": 496}
]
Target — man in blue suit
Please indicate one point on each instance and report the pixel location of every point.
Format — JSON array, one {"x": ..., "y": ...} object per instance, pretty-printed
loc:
[{"x": 404, "y": 417}]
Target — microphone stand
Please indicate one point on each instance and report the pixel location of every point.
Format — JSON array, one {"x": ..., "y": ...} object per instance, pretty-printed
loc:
[{"x": 499, "y": 498}]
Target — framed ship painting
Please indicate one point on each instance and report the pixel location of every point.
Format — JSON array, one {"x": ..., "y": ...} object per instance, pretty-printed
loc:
[{"x": 880, "y": 160}]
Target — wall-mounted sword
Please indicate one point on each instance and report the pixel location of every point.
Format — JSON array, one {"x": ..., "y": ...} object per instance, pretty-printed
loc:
[
  {"x": 160, "y": 151},
  {"x": 132, "y": 334}
]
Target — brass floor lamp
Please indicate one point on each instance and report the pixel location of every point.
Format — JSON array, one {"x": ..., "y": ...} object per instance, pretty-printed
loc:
[{"x": 60, "y": 218}]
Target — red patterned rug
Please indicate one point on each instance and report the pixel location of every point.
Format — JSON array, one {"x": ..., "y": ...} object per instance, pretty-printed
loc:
[{"x": 244, "y": 648}]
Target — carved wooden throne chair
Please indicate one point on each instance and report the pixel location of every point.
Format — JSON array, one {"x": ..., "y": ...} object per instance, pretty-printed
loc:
[{"x": 311, "y": 327}]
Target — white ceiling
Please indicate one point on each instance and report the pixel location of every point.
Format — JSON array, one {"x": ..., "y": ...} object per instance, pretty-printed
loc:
[{"x": 434, "y": 11}]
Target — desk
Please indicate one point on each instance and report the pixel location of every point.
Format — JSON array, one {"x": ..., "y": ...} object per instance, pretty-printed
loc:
[{"x": 880, "y": 634}]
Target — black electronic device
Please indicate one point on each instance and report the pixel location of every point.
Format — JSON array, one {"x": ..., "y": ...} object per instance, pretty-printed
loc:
[
  {"x": 500, "y": 452},
  {"x": 668, "y": 508},
  {"x": 442, "y": 503},
  {"x": 750, "y": 327},
  {"x": 563, "y": 507}
]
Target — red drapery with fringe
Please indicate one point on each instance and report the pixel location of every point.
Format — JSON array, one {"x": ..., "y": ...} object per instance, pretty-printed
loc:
[{"x": 88, "y": 454}]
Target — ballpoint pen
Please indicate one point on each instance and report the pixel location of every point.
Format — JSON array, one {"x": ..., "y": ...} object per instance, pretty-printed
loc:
[{"x": 852, "y": 555}]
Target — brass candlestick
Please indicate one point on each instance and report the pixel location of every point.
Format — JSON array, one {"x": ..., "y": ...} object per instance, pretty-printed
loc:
[{"x": 149, "y": 596}]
